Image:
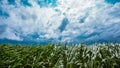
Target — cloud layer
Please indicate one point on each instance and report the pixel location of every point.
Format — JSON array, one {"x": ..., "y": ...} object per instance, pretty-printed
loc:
[{"x": 75, "y": 21}]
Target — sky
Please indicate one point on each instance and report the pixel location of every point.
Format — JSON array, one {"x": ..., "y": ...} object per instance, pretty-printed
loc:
[{"x": 73, "y": 21}]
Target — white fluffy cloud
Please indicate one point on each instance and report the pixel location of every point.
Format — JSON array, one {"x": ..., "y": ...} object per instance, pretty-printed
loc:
[{"x": 87, "y": 21}]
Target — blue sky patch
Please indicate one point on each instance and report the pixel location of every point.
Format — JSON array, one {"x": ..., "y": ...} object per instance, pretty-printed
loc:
[
  {"x": 112, "y": 1},
  {"x": 26, "y": 3},
  {"x": 3, "y": 14},
  {"x": 46, "y": 3}
]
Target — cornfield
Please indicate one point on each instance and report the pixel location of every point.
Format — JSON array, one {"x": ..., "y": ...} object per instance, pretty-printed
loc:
[{"x": 60, "y": 56}]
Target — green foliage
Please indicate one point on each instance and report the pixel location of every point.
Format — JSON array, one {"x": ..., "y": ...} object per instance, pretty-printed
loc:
[{"x": 58, "y": 56}]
